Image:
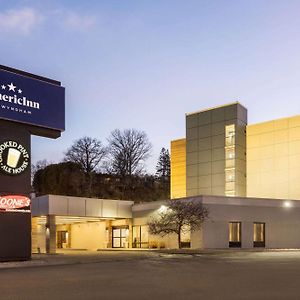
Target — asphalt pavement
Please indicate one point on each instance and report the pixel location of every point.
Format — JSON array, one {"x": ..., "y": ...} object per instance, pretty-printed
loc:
[{"x": 155, "y": 275}]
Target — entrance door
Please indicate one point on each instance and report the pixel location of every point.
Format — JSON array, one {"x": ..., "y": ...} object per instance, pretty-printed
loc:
[{"x": 120, "y": 237}]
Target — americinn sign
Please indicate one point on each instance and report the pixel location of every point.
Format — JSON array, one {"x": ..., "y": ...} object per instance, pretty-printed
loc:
[{"x": 29, "y": 105}]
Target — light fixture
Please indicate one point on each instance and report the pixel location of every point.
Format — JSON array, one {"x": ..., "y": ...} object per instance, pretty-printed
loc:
[
  {"x": 287, "y": 204},
  {"x": 163, "y": 209}
]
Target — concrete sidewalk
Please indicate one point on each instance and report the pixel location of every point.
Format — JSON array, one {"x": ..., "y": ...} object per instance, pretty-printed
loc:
[
  {"x": 67, "y": 257},
  {"x": 76, "y": 257}
]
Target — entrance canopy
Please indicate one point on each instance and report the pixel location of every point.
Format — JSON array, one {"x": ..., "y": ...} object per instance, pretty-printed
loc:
[{"x": 81, "y": 207}]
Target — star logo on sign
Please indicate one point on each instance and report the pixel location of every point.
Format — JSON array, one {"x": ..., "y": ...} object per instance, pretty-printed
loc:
[
  {"x": 19, "y": 91},
  {"x": 12, "y": 87},
  {"x": 3, "y": 87}
]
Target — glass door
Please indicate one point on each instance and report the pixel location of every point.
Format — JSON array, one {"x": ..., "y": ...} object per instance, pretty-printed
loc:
[
  {"x": 140, "y": 237},
  {"x": 62, "y": 239},
  {"x": 120, "y": 237}
]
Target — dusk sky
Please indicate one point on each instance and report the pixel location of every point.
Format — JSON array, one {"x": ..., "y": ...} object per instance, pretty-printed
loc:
[{"x": 144, "y": 64}]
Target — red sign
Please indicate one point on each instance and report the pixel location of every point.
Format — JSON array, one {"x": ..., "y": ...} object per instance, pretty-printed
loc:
[{"x": 12, "y": 202}]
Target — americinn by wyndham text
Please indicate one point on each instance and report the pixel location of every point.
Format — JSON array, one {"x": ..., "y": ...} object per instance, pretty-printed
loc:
[{"x": 19, "y": 101}]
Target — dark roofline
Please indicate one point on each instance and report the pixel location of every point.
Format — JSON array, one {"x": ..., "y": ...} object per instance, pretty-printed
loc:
[{"x": 23, "y": 73}]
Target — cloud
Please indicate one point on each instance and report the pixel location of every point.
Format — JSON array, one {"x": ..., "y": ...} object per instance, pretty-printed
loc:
[
  {"x": 21, "y": 21},
  {"x": 79, "y": 22},
  {"x": 24, "y": 21}
]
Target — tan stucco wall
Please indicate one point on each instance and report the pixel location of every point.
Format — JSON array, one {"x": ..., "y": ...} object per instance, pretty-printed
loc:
[
  {"x": 273, "y": 159},
  {"x": 40, "y": 239},
  {"x": 178, "y": 168},
  {"x": 91, "y": 235}
]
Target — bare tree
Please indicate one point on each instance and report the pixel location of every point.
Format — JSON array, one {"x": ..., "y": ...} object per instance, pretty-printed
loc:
[
  {"x": 128, "y": 150},
  {"x": 178, "y": 217},
  {"x": 87, "y": 152},
  {"x": 39, "y": 165}
]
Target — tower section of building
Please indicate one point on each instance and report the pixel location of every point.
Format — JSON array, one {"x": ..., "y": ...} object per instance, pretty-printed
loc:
[{"x": 216, "y": 151}]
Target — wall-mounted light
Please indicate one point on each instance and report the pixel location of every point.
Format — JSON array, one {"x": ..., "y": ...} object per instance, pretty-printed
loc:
[
  {"x": 287, "y": 204},
  {"x": 162, "y": 209}
]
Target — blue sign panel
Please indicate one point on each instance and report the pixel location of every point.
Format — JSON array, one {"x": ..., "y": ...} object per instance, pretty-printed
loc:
[{"x": 31, "y": 101}]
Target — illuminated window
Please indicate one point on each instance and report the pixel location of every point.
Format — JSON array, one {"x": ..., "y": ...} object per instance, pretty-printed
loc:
[
  {"x": 230, "y": 160},
  {"x": 230, "y": 163},
  {"x": 229, "y": 186},
  {"x": 230, "y": 135},
  {"x": 185, "y": 239},
  {"x": 230, "y": 175},
  {"x": 230, "y": 157},
  {"x": 235, "y": 234},
  {"x": 258, "y": 234},
  {"x": 140, "y": 237},
  {"x": 230, "y": 193},
  {"x": 230, "y": 153}
]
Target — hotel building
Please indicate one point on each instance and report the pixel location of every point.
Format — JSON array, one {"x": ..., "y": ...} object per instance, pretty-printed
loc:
[{"x": 246, "y": 175}]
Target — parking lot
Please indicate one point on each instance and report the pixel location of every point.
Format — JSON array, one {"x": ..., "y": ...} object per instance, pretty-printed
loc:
[{"x": 154, "y": 275}]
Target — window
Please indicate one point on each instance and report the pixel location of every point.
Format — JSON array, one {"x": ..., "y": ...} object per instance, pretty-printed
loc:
[
  {"x": 230, "y": 160},
  {"x": 230, "y": 135},
  {"x": 229, "y": 186},
  {"x": 230, "y": 182},
  {"x": 230, "y": 157},
  {"x": 230, "y": 193},
  {"x": 235, "y": 234},
  {"x": 230, "y": 175},
  {"x": 230, "y": 153},
  {"x": 258, "y": 234},
  {"x": 185, "y": 237},
  {"x": 140, "y": 237}
]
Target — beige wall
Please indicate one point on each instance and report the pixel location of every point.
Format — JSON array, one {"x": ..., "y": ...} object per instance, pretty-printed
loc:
[
  {"x": 178, "y": 168},
  {"x": 40, "y": 239},
  {"x": 282, "y": 224},
  {"x": 91, "y": 235},
  {"x": 273, "y": 159}
]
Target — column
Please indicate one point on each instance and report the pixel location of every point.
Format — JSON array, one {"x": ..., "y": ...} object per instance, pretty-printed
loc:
[
  {"x": 34, "y": 235},
  {"x": 109, "y": 229},
  {"x": 50, "y": 235},
  {"x": 129, "y": 223}
]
